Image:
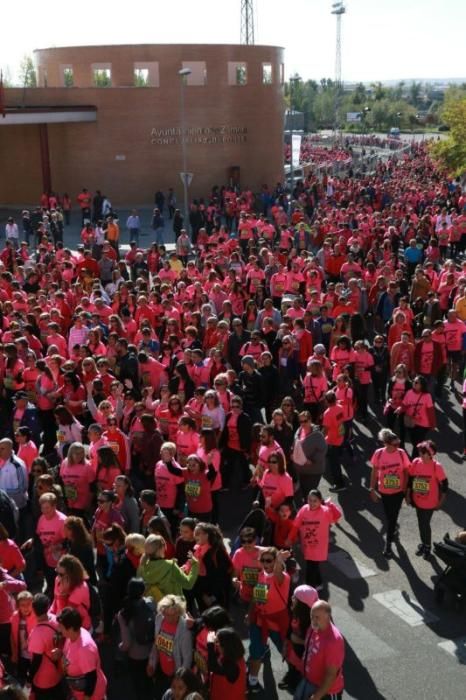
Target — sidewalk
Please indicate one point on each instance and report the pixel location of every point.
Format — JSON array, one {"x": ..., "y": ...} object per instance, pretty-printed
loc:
[{"x": 72, "y": 233}]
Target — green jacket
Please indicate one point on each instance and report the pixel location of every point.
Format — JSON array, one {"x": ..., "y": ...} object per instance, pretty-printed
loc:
[{"x": 164, "y": 576}]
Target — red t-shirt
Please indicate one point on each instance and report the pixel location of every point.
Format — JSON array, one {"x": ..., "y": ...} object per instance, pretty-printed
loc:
[
  {"x": 198, "y": 492},
  {"x": 164, "y": 643},
  {"x": 333, "y": 422}
]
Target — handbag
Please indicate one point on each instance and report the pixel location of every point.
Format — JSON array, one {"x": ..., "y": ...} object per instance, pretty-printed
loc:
[{"x": 409, "y": 421}]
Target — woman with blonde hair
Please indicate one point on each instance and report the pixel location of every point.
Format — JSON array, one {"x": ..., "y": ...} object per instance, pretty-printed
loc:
[
  {"x": 172, "y": 647},
  {"x": 163, "y": 576},
  {"x": 77, "y": 476}
]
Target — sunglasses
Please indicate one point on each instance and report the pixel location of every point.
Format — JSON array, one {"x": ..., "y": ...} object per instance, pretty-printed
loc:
[
  {"x": 247, "y": 540},
  {"x": 273, "y": 461},
  {"x": 303, "y": 421},
  {"x": 267, "y": 561}
]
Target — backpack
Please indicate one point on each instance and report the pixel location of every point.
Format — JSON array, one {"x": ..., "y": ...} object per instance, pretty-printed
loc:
[
  {"x": 143, "y": 622},
  {"x": 95, "y": 605}
]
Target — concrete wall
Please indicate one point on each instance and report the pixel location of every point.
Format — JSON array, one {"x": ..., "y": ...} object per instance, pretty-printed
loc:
[{"x": 86, "y": 154}]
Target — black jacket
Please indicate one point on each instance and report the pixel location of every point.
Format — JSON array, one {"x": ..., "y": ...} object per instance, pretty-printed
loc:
[
  {"x": 244, "y": 426},
  {"x": 234, "y": 345}
]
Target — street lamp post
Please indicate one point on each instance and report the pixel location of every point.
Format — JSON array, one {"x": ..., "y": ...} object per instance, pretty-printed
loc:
[
  {"x": 183, "y": 73},
  {"x": 294, "y": 80}
]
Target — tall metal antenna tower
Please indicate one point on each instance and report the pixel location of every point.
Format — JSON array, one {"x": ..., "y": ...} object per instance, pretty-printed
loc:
[
  {"x": 247, "y": 22},
  {"x": 338, "y": 9}
]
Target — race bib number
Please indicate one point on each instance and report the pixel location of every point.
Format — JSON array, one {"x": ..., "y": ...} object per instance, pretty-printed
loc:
[
  {"x": 164, "y": 644},
  {"x": 391, "y": 481},
  {"x": 260, "y": 593},
  {"x": 114, "y": 446},
  {"x": 192, "y": 489},
  {"x": 207, "y": 421},
  {"x": 279, "y": 286},
  {"x": 421, "y": 486},
  {"x": 200, "y": 662},
  {"x": 60, "y": 436},
  {"x": 71, "y": 493},
  {"x": 250, "y": 575}
]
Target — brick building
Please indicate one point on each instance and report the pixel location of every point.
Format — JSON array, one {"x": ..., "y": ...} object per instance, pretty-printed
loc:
[{"x": 109, "y": 118}]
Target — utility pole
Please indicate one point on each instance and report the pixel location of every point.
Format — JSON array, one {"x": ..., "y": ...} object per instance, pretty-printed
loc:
[
  {"x": 338, "y": 9},
  {"x": 247, "y": 22}
]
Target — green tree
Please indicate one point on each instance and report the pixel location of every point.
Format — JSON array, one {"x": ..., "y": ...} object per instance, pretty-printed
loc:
[
  {"x": 359, "y": 94},
  {"x": 27, "y": 73},
  {"x": 379, "y": 91},
  {"x": 415, "y": 93},
  {"x": 451, "y": 152}
]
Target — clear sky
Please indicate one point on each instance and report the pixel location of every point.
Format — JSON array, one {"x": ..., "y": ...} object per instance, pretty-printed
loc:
[{"x": 381, "y": 39}]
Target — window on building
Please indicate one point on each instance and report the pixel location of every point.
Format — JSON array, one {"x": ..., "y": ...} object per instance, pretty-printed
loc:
[
  {"x": 68, "y": 78},
  {"x": 141, "y": 77},
  {"x": 237, "y": 73},
  {"x": 282, "y": 73},
  {"x": 267, "y": 74},
  {"x": 102, "y": 74},
  {"x": 198, "y": 75},
  {"x": 146, "y": 74}
]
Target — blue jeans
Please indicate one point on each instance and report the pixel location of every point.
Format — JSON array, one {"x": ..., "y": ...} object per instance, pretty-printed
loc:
[
  {"x": 257, "y": 648},
  {"x": 159, "y": 236},
  {"x": 134, "y": 235}
]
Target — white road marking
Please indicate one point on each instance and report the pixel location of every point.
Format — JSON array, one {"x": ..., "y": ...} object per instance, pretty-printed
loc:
[{"x": 406, "y": 607}]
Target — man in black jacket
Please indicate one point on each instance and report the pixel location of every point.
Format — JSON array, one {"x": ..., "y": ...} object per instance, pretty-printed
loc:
[
  {"x": 236, "y": 340},
  {"x": 127, "y": 366},
  {"x": 252, "y": 392}
]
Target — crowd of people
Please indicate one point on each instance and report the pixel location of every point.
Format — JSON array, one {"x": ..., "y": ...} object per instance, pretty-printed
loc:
[{"x": 144, "y": 394}]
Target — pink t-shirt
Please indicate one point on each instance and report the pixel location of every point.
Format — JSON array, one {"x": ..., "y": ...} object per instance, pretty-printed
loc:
[
  {"x": 323, "y": 649},
  {"x": 165, "y": 485},
  {"x": 313, "y": 527},
  {"x": 314, "y": 388},
  {"x": 79, "y": 598},
  {"x": 233, "y": 434},
  {"x": 187, "y": 443},
  {"x": 333, "y": 423},
  {"x": 363, "y": 361},
  {"x": 42, "y": 639},
  {"x": 77, "y": 479},
  {"x": 426, "y": 477},
  {"x": 427, "y": 357},
  {"x": 454, "y": 335},
  {"x": 81, "y": 657},
  {"x": 247, "y": 569},
  {"x": 266, "y": 450},
  {"x": 392, "y": 470},
  {"x": 277, "y": 487},
  {"x": 345, "y": 399},
  {"x": 51, "y": 532},
  {"x": 28, "y": 453},
  {"x": 418, "y": 406}
]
